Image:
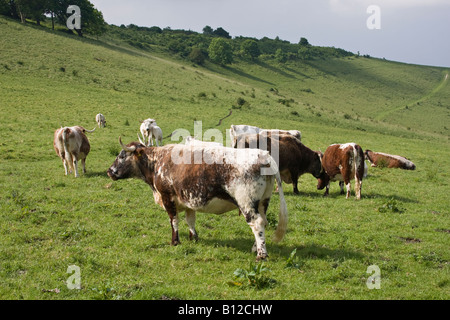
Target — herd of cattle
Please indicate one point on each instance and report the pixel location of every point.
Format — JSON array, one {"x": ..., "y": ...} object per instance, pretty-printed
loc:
[{"x": 226, "y": 178}]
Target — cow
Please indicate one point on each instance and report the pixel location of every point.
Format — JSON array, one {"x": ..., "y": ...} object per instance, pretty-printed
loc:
[
  {"x": 388, "y": 160},
  {"x": 191, "y": 141},
  {"x": 101, "y": 121},
  {"x": 145, "y": 129},
  {"x": 237, "y": 131},
  {"x": 294, "y": 158},
  {"x": 156, "y": 132},
  {"x": 343, "y": 163},
  {"x": 71, "y": 145},
  {"x": 231, "y": 179}
]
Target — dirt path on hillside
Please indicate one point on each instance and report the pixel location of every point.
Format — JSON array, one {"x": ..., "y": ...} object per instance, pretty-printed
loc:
[{"x": 438, "y": 88}]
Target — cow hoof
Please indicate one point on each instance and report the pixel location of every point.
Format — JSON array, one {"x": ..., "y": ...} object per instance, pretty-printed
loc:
[
  {"x": 176, "y": 242},
  {"x": 193, "y": 237},
  {"x": 262, "y": 258}
]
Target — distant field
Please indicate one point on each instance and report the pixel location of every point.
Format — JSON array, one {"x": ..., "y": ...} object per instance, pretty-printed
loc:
[{"x": 120, "y": 239}]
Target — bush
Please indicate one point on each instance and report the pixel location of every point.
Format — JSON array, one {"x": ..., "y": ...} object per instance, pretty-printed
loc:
[
  {"x": 220, "y": 51},
  {"x": 197, "y": 56},
  {"x": 250, "y": 49}
]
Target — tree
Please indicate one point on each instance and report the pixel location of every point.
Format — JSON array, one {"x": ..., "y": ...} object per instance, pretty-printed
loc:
[
  {"x": 250, "y": 49},
  {"x": 220, "y": 51},
  {"x": 92, "y": 21},
  {"x": 197, "y": 56},
  {"x": 33, "y": 9},
  {"x": 208, "y": 31},
  {"x": 304, "y": 53},
  {"x": 304, "y": 42},
  {"x": 221, "y": 32},
  {"x": 280, "y": 55}
]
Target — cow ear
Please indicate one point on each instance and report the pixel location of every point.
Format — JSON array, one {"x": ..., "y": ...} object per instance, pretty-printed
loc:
[{"x": 140, "y": 151}]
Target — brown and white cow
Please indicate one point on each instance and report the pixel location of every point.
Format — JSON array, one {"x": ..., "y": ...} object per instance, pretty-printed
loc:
[
  {"x": 293, "y": 157},
  {"x": 343, "y": 163},
  {"x": 72, "y": 145},
  {"x": 388, "y": 160},
  {"x": 206, "y": 179}
]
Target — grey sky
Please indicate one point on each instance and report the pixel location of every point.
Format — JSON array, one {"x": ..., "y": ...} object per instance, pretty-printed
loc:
[{"x": 412, "y": 31}]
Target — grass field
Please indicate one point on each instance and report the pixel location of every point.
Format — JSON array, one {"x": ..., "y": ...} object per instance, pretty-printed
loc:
[{"x": 120, "y": 239}]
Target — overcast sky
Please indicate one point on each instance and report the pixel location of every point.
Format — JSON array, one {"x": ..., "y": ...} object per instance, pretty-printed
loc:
[{"x": 411, "y": 31}]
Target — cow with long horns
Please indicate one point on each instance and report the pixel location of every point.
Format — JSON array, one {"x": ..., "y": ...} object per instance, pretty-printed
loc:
[{"x": 211, "y": 179}]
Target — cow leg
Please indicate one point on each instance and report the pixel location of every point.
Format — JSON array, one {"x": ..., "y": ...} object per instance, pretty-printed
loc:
[
  {"x": 65, "y": 167},
  {"x": 190, "y": 219},
  {"x": 257, "y": 224},
  {"x": 262, "y": 209},
  {"x": 75, "y": 166},
  {"x": 173, "y": 215},
  {"x": 341, "y": 185},
  {"x": 295, "y": 182},
  {"x": 358, "y": 186},
  {"x": 327, "y": 189},
  {"x": 83, "y": 163},
  {"x": 348, "y": 186}
]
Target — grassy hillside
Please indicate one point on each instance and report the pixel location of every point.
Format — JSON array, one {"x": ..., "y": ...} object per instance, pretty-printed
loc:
[{"x": 120, "y": 239}]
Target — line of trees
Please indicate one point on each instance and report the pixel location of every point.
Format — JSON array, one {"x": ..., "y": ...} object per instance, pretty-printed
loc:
[
  {"x": 92, "y": 21},
  {"x": 218, "y": 46}
]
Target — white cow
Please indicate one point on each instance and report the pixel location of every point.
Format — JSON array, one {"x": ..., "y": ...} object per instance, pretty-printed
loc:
[
  {"x": 145, "y": 129},
  {"x": 241, "y": 130},
  {"x": 71, "y": 145},
  {"x": 191, "y": 141},
  {"x": 101, "y": 121},
  {"x": 154, "y": 131}
]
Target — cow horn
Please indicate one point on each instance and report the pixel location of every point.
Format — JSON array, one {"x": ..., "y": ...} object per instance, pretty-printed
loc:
[
  {"x": 139, "y": 137},
  {"x": 90, "y": 131},
  {"x": 124, "y": 147}
]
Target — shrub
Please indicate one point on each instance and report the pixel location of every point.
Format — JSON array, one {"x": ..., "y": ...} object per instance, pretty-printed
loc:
[
  {"x": 391, "y": 206},
  {"x": 220, "y": 51},
  {"x": 197, "y": 56},
  {"x": 253, "y": 277}
]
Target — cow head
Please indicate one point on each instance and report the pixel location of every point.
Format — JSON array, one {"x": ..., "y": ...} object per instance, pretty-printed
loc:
[
  {"x": 316, "y": 165},
  {"x": 366, "y": 154},
  {"x": 323, "y": 179},
  {"x": 126, "y": 164}
]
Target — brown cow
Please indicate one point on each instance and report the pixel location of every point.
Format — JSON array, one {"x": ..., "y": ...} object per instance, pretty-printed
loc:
[
  {"x": 294, "y": 158},
  {"x": 388, "y": 160},
  {"x": 211, "y": 179},
  {"x": 342, "y": 162},
  {"x": 71, "y": 145}
]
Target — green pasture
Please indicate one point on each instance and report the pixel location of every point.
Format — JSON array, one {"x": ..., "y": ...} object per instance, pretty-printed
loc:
[{"x": 120, "y": 239}]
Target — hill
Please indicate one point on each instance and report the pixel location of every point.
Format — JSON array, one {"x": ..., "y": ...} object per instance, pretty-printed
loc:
[{"x": 120, "y": 238}]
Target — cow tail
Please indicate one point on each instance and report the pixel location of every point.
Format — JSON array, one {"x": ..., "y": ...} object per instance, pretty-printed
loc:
[
  {"x": 359, "y": 169},
  {"x": 68, "y": 156},
  {"x": 283, "y": 214}
]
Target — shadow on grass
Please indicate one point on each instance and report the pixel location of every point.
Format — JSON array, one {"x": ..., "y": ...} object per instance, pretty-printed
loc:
[
  {"x": 93, "y": 174},
  {"x": 338, "y": 195},
  {"x": 278, "y": 250}
]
